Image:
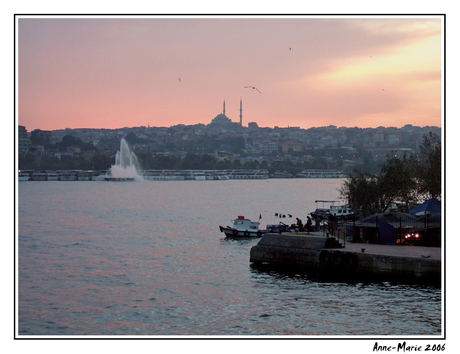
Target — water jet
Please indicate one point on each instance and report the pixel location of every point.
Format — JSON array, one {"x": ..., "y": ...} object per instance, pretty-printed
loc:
[{"x": 126, "y": 165}]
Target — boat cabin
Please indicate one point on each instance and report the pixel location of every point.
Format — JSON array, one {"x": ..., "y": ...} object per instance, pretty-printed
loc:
[
  {"x": 340, "y": 210},
  {"x": 242, "y": 224}
]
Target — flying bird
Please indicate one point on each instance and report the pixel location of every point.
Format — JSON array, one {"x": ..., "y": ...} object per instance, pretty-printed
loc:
[{"x": 255, "y": 88}]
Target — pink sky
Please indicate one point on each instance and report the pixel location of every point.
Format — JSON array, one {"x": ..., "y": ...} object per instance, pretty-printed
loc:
[{"x": 102, "y": 72}]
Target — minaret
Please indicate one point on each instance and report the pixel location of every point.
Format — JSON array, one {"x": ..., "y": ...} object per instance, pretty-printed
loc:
[
  {"x": 241, "y": 112},
  {"x": 224, "y": 108}
]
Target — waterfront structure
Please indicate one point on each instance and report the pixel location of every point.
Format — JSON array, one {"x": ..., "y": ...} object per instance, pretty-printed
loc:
[{"x": 315, "y": 253}]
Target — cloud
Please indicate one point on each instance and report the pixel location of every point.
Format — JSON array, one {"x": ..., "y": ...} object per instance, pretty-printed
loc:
[{"x": 328, "y": 68}]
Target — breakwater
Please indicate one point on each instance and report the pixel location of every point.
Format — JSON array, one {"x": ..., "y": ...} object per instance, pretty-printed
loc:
[{"x": 314, "y": 253}]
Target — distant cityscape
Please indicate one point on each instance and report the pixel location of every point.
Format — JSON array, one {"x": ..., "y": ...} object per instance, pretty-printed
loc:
[{"x": 221, "y": 144}]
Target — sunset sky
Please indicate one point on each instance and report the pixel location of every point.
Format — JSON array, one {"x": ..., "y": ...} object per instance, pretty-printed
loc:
[{"x": 107, "y": 72}]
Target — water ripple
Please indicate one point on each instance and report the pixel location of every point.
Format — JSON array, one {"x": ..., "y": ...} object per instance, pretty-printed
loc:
[{"x": 148, "y": 259}]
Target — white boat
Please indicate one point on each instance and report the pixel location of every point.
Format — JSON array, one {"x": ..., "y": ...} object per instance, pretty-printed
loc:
[
  {"x": 23, "y": 176},
  {"x": 199, "y": 176},
  {"x": 67, "y": 176},
  {"x": 321, "y": 174},
  {"x": 242, "y": 227},
  {"x": 51, "y": 176},
  {"x": 341, "y": 211},
  {"x": 39, "y": 176},
  {"x": 247, "y": 174},
  {"x": 84, "y": 176},
  {"x": 162, "y": 175}
]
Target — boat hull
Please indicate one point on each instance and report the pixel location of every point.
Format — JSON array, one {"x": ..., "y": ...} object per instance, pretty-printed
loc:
[{"x": 234, "y": 233}]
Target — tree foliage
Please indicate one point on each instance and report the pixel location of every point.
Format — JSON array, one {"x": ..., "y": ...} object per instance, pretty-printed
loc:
[
  {"x": 401, "y": 179},
  {"x": 363, "y": 193},
  {"x": 428, "y": 167}
]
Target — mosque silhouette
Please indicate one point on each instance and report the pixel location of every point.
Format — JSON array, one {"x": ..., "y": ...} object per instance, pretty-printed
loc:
[{"x": 222, "y": 119}]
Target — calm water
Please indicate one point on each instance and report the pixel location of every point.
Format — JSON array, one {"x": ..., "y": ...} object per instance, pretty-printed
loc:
[{"x": 147, "y": 258}]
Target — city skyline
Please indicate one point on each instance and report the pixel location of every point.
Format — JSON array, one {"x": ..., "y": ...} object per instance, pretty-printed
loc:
[{"x": 105, "y": 72}]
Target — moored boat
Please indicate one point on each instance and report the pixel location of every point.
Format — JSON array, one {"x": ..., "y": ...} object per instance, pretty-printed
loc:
[
  {"x": 67, "y": 176},
  {"x": 51, "y": 176},
  {"x": 341, "y": 211},
  {"x": 39, "y": 176},
  {"x": 24, "y": 175},
  {"x": 243, "y": 227}
]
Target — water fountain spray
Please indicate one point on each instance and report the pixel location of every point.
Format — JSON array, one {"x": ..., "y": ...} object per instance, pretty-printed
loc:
[{"x": 126, "y": 164}]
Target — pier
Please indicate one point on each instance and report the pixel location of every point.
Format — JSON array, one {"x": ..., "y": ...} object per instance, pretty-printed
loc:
[{"x": 314, "y": 253}]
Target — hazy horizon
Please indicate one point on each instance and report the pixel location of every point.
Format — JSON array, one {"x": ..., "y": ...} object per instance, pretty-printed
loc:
[{"x": 281, "y": 127}]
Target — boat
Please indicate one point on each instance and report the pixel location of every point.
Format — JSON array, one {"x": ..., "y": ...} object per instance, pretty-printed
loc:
[
  {"x": 67, "y": 176},
  {"x": 321, "y": 174},
  {"x": 322, "y": 211},
  {"x": 84, "y": 176},
  {"x": 24, "y": 176},
  {"x": 118, "y": 179},
  {"x": 162, "y": 175},
  {"x": 39, "y": 176},
  {"x": 243, "y": 227},
  {"x": 247, "y": 174},
  {"x": 51, "y": 176},
  {"x": 198, "y": 176},
  {"x": 341, "y": 211}
]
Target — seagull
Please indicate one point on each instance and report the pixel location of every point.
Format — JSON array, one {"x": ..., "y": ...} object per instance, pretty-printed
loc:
[{"x": 255, "y": 88}]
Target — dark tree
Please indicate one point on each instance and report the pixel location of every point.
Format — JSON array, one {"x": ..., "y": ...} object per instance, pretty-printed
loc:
[
  {"x": 401, "y": 179},
  {"x": 428, "y": 167},
  {"x": 397, "y": 180},
  {"x": 363, "y": 193}
]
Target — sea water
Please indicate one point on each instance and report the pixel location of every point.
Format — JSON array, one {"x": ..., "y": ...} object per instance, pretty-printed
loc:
[{"x": 147, "y": 258}]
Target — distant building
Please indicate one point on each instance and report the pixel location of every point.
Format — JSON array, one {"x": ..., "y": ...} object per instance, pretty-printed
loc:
[
  {"x": 24, "y": 143},
  {"x": 223, "y": 123},
  {"x": 221, "y": 119},
  {"x": 292, "y": 145},
  {"x": 269, "y": 147}
]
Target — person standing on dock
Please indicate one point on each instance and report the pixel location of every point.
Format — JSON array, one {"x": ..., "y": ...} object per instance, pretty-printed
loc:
[
  {"x": 308, "y": 224},
  {"x": 299, "y": 224}
]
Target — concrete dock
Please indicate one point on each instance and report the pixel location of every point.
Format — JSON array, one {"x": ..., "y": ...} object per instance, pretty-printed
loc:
[{"x": 354, "y": 261}]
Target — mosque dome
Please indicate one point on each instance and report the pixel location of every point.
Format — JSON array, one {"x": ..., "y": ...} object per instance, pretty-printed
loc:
[{"x": 221, "y": 119}]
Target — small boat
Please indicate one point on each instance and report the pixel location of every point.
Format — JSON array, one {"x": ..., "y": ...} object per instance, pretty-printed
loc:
[
  {"x": 341, "y": 211},
  {"x": 39, "y": 176},
  {"x": 23, "y": 176},
  {"x": 51, "y": 176},
  {"x": 68, "y": 176},
  {"x": 243, "y": 227}
]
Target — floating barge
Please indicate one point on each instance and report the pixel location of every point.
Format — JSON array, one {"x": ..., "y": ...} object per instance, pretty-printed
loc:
[{"x": 315, "y": 253}]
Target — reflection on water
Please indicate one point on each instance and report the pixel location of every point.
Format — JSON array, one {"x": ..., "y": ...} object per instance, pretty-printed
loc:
[{"x": 148, "y": 259}]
